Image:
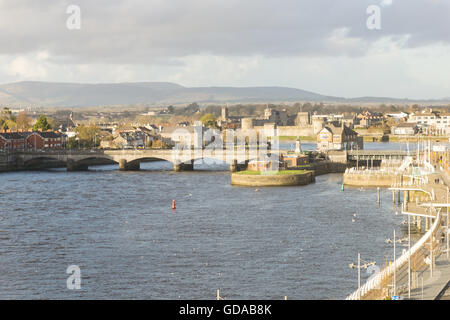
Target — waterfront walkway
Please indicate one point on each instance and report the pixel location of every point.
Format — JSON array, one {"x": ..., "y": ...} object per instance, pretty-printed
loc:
[
  {"x": 433, "y": 285},
  {"x": 436, "y": 286},
  {"x": 412, "y": 269},
  {"x": 429, "y": 284}
]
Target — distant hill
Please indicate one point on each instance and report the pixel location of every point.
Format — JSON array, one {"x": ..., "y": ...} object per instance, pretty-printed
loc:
[{"x": 33, "y": 93}]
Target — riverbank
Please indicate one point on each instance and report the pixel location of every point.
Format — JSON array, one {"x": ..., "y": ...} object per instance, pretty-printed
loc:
[{"x": 413, "y": 139}]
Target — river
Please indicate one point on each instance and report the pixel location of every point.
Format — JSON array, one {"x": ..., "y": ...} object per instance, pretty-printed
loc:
[{"x": 119, "y": 229}]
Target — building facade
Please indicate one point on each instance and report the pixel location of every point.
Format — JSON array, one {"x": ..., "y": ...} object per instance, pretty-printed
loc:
[
  {"x": 33, "y": 140},
  {"x": 333, "y": 137},
  {"x": 11, "y": 141},
  {"x": 432, "y": 122}
]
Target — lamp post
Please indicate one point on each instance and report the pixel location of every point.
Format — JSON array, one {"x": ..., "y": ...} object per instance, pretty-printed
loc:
[
  {"x": 359, "y": 267},
  {"x": 394, "y": 241},
  {"x": 395, "y": 273}
]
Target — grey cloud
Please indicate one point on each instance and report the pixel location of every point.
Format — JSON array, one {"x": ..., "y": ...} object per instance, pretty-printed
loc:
[{"x": 159, "y": 31}]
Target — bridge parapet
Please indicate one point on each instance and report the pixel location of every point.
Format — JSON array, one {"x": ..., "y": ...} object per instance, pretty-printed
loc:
[{"x": 79, "y": 159}]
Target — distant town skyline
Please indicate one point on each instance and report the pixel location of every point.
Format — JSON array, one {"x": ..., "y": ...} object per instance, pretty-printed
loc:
[{"x": 323, "y": 46}]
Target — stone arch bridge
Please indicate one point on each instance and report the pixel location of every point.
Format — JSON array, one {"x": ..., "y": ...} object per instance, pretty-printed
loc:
[{"x": 130, "y": 159}]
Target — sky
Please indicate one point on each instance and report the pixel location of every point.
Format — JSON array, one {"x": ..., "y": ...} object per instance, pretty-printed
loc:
[{"x": 334, "y": 47}]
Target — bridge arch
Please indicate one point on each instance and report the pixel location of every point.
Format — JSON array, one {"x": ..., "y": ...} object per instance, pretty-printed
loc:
[{"x": 43, "y": 162}]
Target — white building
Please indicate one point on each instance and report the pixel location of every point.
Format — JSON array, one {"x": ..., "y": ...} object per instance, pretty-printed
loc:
[
  {"x": 405, "y": 129},
  {"x": 432, "y": 122}
]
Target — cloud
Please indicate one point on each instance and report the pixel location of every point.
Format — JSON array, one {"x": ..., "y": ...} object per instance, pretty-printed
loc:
[
  {"x": 210, "y": 42},
  {"x": 28, "y": 66},
  {"x": 157, "y": 31},
  {"x": 386, "y": 3}
]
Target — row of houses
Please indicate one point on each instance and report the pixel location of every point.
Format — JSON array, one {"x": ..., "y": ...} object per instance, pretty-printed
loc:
[
  {"x": 431, "y": 122},
  {"x": 31, "y": 140},
  {"x": 136, "y": 137}
]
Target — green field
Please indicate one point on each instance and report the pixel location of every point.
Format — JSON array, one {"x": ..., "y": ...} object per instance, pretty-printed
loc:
[
  {"x": 294, "y": 138},
  {"x": 415, "y": 138}
]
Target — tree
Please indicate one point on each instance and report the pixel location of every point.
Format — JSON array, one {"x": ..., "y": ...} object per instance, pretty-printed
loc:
[
  {"x": 7, "y": 120},
  {"x": 23, "y": 121},
  {"x": 209, "y": 120},
  {"x": 72, "y": 143},
  {"x": 87, "y": 135},
  {"x": 42, "y": 123},
  {"x": 6, "y": 113},
  {"x": 10, "y": 124}
]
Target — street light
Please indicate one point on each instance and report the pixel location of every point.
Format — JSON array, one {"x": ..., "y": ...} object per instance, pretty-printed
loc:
[
  {"x": 359, "y": 267},
  {"x": 394, "y": 241}
]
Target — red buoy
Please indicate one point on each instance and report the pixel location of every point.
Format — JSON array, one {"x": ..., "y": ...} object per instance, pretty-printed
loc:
[{"x": 173, "y": 204}]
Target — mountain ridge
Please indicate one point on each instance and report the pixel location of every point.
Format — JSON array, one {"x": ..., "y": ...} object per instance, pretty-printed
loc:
[{"x": 72, "y": 94}]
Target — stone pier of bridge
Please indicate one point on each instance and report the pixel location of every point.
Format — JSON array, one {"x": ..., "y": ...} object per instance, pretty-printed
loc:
[
  {"x": 182, "y": 166},
  {"x": 125, "y": 165},
  {"x": 73, "y": 165}
]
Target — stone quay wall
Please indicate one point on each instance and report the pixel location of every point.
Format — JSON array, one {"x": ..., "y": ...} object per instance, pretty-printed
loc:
[
  {"x": 7, "y": 162},
  {"x": 371, "y": 178},
  {"x": 272, "y": 180}
]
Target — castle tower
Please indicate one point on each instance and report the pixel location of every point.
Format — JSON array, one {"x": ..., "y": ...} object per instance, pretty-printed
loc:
[
  {"x": 225, "y": 113},
  {"x": 302, "y": 119},
  {"x": 246, "y": 123},
  {"x": 267, "y": 112},
  {"x": 318, "y": 124}
]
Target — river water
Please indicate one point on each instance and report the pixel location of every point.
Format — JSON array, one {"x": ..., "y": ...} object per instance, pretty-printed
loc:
[{"x": 120, "y": 230}]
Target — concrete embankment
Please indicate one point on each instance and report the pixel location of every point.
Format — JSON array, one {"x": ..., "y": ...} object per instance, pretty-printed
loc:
[
  {"x": 370, "y": 178},
  {"x": 272, "y": 180},
  {"x": 7, "y": 162},
  {"x": 325, "y": 167}
]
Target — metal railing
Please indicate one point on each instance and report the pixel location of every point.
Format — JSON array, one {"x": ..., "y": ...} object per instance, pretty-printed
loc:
[{"x": 376, "y": 282}]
